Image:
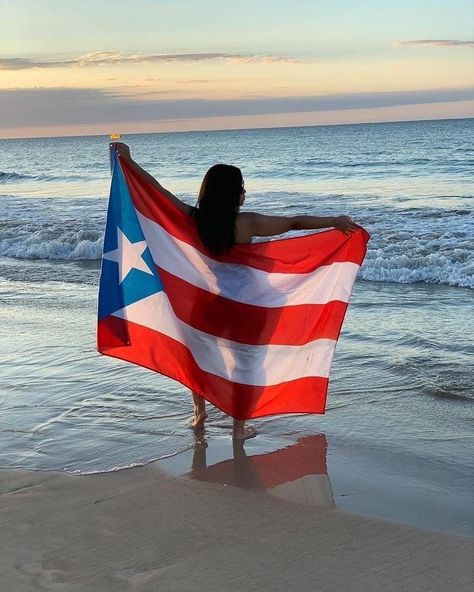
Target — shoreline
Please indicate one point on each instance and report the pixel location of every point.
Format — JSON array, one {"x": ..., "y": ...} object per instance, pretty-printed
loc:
[
  {"x": 144, "y": 530},
  {"x": 319, "y": 470},
  {"x": 323, "y": 470}
]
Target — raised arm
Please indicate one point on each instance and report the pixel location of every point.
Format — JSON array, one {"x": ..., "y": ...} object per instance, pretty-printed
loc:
[
  {"x": 261, "y": 225},
  {"x": 124, "y": 152}
]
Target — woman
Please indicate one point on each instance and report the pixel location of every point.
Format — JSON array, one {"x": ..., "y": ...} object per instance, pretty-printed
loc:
[{"x": 221, "y": 225}]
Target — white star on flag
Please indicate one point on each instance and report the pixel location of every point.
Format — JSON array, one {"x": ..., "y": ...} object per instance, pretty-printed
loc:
[{"x": 128, "y": 256}]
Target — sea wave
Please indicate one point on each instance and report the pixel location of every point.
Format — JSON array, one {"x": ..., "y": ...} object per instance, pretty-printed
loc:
[
  {"x": 399, "y": 257},
  {"x": 410, "y": 268},
  {"x": 54, "y": 244},
  {"x": 13, "y": 177},
  {"x": 8, "y": 177}
]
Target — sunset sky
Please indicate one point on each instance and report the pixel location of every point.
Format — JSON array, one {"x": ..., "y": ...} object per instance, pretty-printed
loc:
[{"x": 101, "y": 66}]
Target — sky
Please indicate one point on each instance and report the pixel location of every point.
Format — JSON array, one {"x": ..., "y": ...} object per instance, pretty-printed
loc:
[{"x": 131, "y": 66}]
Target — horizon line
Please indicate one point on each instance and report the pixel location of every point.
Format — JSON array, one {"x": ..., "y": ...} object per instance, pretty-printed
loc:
[{"x": 231, "y": 129}]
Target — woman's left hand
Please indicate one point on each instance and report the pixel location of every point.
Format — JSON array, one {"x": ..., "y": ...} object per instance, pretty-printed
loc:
[
  {"x": 122, "y": 150},
  {"x": 345, "y": 224}
]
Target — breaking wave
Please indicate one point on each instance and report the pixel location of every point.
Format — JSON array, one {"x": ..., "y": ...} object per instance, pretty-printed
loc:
[
  {"x": 12, "y": 177},
  {"x": 54, "y": 244},
  {"x": 452, "y": 269},
  {"x": 399, "y": 255},
  {"x": 9, "y": 177}
]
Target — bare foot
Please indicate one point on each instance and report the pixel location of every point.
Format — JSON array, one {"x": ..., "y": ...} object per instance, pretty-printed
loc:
[
  {"x": 197, "y": 422},
  {"x": 242, "y": 432},
  {"x": 200, "y": 415}
]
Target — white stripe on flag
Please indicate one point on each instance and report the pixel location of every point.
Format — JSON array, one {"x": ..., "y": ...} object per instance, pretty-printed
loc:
[
  {"x": 245, "y": 284},
  {"x": 258, "y": 365}
]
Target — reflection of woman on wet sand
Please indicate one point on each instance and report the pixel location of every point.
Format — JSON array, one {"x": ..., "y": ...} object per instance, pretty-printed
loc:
[
  {"x": 297, "y": 473},
  {"x": 221, "y": 225}
]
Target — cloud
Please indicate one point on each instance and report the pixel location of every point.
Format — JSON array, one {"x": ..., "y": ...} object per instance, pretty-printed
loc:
[
  {"x": 196, "y": 81},
  {"x": 184, "y": 81},
  {"x": 265, "y": 59},
  {"x": 110, "y": 58},
  {"x": 68, "y": 106},
  {"x": 435, "y": 43}
]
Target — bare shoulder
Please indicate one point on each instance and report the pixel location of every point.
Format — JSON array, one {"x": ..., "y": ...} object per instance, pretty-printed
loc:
[
  {"x": 254, "y": 224},
  {"x": 244, "y": 219},
  {"x": 243, "y": 227}
]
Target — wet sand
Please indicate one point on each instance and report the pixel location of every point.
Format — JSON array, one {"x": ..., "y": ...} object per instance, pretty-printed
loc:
[
  {"x": 326, "y": 471},
  {"x": 144, "y": 530}
]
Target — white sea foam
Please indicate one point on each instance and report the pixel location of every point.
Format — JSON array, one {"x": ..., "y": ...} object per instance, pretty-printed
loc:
[
  {"x": 422, "y": 246},
  {"x": 48, "y": 244},
  {"x": 408, "y": 269},
  {"x": 440, "y": 254},
  {"x": 409, "y": 184}
]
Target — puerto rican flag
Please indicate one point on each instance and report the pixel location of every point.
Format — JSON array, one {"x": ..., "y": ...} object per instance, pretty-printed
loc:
[{"x": 252, "y": 331}]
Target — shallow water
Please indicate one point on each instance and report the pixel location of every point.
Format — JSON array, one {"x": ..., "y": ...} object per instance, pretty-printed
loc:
[{"x": 398, "y": 428}]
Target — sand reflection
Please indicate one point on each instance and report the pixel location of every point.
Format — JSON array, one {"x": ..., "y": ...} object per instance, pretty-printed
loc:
[{"x": 297, "y": 473}]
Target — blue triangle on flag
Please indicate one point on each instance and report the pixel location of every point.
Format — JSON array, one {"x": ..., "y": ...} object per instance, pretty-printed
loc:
[{"x": 137, "y": 284}]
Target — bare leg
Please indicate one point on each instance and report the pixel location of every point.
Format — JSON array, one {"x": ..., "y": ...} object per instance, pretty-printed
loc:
[
  {"x": 241, "y": 431},
  {"x": 200, "y": 414}
]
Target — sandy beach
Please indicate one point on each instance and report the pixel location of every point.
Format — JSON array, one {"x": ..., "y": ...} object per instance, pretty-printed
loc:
[{"x": 144, "y": 530}]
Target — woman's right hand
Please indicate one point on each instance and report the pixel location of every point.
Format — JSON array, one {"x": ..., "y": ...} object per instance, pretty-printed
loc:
[{"x": 122, "y": 150}]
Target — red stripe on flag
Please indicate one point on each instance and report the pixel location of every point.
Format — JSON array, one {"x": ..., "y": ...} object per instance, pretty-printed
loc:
[
  {"x": 248, "y": 323},
  {"x": 288, "y": 255},
  {"x": 158, "y": 352}
]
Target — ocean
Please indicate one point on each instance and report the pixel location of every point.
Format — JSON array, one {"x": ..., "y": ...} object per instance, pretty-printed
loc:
[{"x": 399, "y": 423}]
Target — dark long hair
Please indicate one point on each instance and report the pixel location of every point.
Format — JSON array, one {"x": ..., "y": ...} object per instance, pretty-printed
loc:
[{"x": 218, "y": 206}]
